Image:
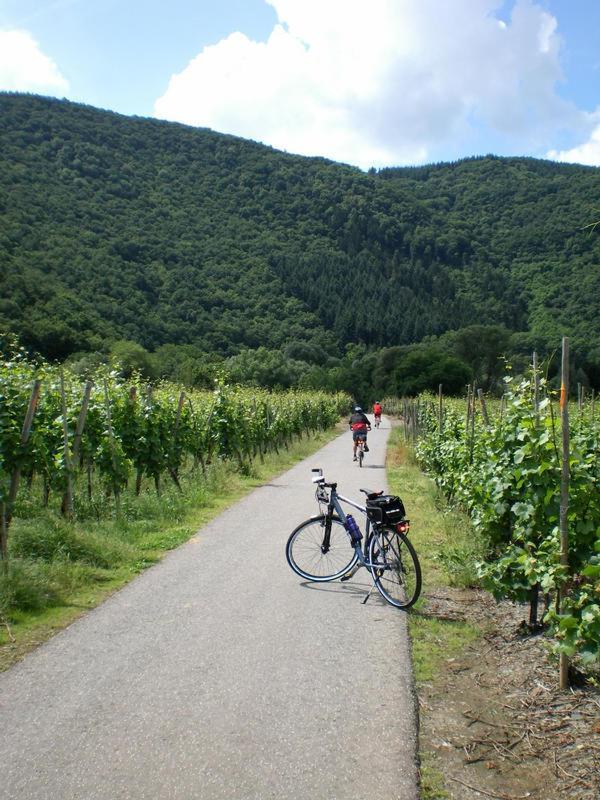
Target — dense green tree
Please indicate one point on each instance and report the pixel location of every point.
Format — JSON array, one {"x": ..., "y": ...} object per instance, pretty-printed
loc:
[
  {"x": 262, "y": 367},
  {"x": 485, "y": 349},
  {"x": 130, "y": 357},
  {"x": 424, "y": 369}
]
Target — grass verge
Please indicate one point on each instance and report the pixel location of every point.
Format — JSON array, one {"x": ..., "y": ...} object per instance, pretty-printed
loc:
[
  {"x": 447, "y": 550},
  {"x": 58, "y": 570}
]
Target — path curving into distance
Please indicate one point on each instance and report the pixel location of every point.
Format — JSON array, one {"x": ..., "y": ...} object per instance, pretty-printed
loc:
[{"x": 219, "y": 675}]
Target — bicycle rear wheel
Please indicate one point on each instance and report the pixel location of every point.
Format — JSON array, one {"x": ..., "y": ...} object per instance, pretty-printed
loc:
[
  {"x": 398, "y": 580},
  {"x": 316, "y": 556},
  {"x": 361, "y": 455}
]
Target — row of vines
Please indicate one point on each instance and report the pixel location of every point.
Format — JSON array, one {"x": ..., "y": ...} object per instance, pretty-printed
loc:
[
  {"x": 106, "y": 434},
  {"x": 501, "y": 463}
]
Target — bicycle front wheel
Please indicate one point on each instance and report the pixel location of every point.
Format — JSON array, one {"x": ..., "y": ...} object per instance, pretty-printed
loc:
[
  {"x": 318, "y": 555},
  {"x": 398, "y": 579}
]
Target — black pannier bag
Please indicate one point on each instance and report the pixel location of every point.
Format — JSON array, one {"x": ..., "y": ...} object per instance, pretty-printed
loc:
[{"x": 387, "y": 509}]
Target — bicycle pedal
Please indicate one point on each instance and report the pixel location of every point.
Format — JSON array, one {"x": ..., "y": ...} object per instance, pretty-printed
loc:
[{"x": 348, "y": 575}]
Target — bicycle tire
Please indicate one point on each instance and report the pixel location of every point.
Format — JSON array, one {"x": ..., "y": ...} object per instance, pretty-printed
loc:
[
  {"x": 400, "y": 584},
  {"x": 304, "y": 552},
  {"x": 361, "y": 455}
]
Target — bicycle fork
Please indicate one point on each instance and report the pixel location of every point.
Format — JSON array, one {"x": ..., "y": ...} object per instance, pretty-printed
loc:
[{"x": 325, "y": 544}]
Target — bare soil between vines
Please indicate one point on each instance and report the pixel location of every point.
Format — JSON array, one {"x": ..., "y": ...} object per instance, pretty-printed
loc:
[{"x": 494, "y": 721}]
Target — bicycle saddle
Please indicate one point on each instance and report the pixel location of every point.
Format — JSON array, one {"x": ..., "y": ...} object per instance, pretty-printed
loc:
[{"x": 371, "y": 495}]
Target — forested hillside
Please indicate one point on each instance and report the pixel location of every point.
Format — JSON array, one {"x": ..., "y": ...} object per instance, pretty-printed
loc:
[{"x": 124, "y": 228}]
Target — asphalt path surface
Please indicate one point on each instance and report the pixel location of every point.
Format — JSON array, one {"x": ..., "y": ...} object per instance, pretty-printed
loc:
[{"x": 220, "y": 674}]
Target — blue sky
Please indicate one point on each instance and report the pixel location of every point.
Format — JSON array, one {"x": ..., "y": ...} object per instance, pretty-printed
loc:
[{"x": 381, "y": 83}]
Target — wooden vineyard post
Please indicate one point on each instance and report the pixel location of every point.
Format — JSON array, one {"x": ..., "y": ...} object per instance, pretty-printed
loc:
[
  {"x": 472, "y": 440},
  {"x": 259, "y": 445},
  {"x": 81, "y": 419},
  {"x": 564, "y": 490},
  {"x": 79, "y": 432},
  {"x": 468, "y": 417},
  {"x": 150, "y": 401},
  {"x": 7, "y": 507},
  {"x": 484, "y": 413},
  {"x": 139, "y": 471},
  {"x": 172, "y": 470},
  {"x": 68, "y": 496},
  {"x": 200, "y": 455},
  {"x": 440, "y": 409},
  {"x": 535, "y": 590},
  {"x": 417, "y": 419},
  {"x": 536, "y": 384},
  {"x": 111, "y": 439}
]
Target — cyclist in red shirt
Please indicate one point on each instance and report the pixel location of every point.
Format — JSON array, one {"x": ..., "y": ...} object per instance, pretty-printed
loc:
[
  {"x": 359, "y": 423},
  {"x": 377, "y": 412}
]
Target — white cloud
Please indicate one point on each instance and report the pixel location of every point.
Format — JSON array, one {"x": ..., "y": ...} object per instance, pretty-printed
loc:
[
  {"x": 586, "y": 153},
  {"x": 383, "y": 82},
  {"x": 25, "y": 68}
]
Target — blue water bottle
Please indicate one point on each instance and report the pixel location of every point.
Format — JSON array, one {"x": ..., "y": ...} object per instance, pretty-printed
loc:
[{"x": 353, "y": 529}]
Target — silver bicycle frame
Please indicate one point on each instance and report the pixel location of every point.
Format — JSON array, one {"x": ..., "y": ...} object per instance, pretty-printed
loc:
[{"x": 334, "y": 501}]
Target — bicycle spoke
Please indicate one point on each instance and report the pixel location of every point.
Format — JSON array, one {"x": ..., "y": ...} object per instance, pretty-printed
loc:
[
  {"x": 399, "y": 578},
  {"x": 304, "y": 551}
]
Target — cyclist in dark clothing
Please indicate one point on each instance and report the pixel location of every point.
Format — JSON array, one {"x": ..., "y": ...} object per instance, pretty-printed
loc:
[{"x": 359, "y": 423}]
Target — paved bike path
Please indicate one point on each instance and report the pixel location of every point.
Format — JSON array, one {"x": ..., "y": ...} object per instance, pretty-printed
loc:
[{"x": 219, "y": 675}]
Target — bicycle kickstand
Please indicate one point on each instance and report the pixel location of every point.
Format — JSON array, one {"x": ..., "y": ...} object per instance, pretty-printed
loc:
[{"x": 368, "y": 594}]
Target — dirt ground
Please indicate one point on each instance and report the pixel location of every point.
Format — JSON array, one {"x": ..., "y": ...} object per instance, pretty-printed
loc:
[{"x": 495, "y": 722}]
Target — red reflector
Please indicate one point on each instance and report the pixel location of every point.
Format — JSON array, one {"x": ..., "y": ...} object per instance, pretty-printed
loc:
[{"x": 402, "y": 527}]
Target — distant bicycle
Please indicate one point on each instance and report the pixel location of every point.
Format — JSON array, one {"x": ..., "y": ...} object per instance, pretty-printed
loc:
[
  {"x": 330, "y": 545},
  {"x": 377, "y": 409},
  {"x": 360, "y": 451}
]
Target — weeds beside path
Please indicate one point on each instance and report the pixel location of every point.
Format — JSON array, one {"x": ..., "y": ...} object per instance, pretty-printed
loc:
[{"x": 492, "y": 721}]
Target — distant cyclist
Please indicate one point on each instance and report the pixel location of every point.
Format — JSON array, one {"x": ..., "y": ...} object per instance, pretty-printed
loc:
[
  {"x": 377, "y": 412},
  {"x": 359, "y": 423}
]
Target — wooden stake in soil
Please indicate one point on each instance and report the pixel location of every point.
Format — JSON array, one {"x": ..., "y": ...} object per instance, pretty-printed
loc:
[
  {"x": 440, "y": 409},
  {"x": 535, "y": 589},
  {"x": 81, "y": 419},
  {"x": 468, "y": 418},
  {"x": 484, "y": 413},
  {"x": 173, "y": 470},
  {"x": 536, "y": 384},
  {"x": 68, "y": 496},
  {"x": 472, "y": 442},
  {"x": 564, "y": 487},
  {"x": 111, "y": 439},
  {"x": 7, "y": 507}
]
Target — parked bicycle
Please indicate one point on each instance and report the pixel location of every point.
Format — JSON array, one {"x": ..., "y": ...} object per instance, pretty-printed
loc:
[{"x": 330, "y": 545}]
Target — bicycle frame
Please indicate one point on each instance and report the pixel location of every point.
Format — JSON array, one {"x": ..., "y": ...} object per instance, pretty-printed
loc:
[{"x": 334, "y": 505}]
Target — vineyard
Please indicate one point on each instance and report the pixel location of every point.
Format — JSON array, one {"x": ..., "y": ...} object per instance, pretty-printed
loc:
[
  {"x": 501, "y": 462},
  {"x": 75, "y": 453}
]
